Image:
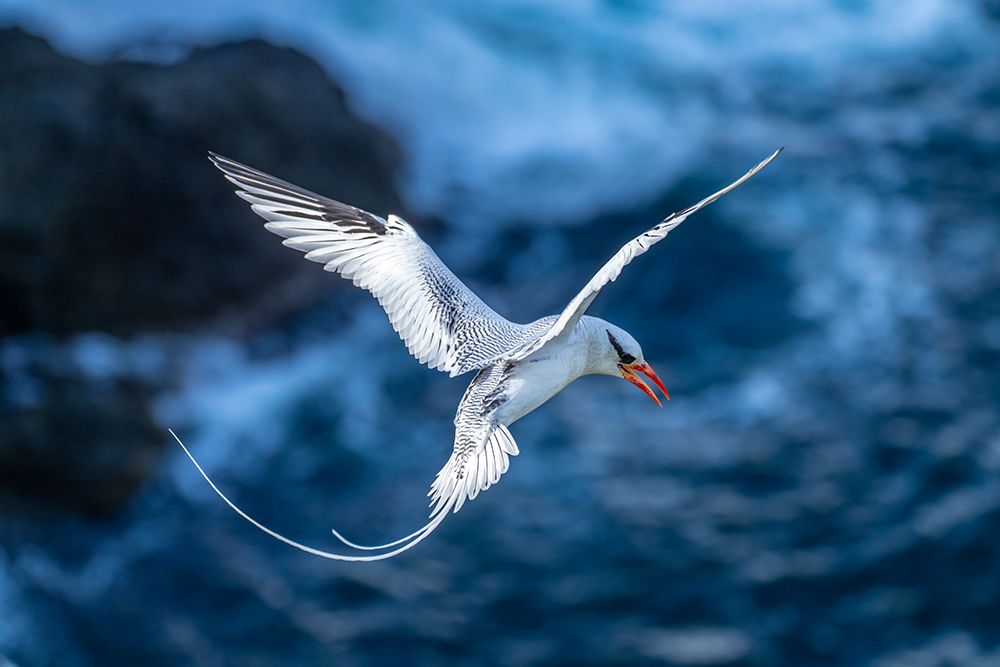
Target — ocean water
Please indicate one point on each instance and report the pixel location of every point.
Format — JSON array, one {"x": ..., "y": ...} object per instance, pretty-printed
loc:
[{"x": 822, "y": 490}]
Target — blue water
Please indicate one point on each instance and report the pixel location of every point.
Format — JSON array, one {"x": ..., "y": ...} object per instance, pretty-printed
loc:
[{"x": 824, "y": 487}]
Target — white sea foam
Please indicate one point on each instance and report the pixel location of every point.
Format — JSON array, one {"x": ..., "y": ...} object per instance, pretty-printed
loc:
[{"x": 550, "y": 111}]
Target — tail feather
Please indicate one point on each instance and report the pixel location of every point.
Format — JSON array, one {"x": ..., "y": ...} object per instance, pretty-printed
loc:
[{"x": 408, "y": 542}]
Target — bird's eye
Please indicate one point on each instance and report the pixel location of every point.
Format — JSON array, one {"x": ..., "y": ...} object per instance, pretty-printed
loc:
[{"x": 626, "y": 358}]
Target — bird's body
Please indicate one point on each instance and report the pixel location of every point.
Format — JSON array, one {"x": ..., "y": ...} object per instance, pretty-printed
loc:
[
  {"x": 532, "y": 381},
  {"x": 544, "y": 373},
  {"x": 446, "y": 326}
]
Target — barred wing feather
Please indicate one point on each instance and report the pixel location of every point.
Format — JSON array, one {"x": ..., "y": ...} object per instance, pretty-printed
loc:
[{"x": 441, "y": 321}]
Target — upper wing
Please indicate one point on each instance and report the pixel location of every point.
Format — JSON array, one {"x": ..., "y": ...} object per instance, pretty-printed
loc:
[
  {"x": 443, "y": 323},
  {"x": 613, "y": 268}
]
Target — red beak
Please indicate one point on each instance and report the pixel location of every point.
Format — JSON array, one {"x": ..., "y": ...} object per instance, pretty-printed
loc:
[{"x": 629, "y": 373}]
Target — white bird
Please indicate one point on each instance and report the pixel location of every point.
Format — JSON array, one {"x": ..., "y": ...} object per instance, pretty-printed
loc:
[{"x": 447, "y": 327}]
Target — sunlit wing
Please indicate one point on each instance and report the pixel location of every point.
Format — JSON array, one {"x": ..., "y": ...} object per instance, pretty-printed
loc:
[{"x": 441, "y": 321}]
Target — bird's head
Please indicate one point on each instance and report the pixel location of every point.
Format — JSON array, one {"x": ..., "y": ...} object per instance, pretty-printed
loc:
[{"x": 621, "y": 355}]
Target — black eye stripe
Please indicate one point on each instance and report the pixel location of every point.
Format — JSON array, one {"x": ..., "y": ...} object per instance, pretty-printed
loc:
[
  {"x": 615, "y": 344},
  {"x": 623, "y": 356}
]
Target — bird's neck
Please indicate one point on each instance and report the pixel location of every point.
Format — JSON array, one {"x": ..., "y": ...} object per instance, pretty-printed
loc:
[{"x": 592, "y": 341}]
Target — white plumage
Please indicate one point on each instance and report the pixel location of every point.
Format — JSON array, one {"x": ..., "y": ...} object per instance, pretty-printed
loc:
[{"x": 446, "y": 326}]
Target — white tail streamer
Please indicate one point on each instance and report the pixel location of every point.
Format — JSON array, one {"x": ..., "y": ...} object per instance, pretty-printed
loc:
[{"x": 417, "y": 536}]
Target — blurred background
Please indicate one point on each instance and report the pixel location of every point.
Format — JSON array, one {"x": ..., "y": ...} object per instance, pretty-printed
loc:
[{"x": 823, "y": 489}]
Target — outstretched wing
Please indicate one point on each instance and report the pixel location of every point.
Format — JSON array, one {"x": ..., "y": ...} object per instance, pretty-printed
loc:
[
  {"x": 613, "y": 268},
  {"x": 443, "y": 323}
]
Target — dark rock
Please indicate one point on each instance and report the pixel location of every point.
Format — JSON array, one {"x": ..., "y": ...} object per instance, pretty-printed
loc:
[
  {"x": 112, "y": 218},
  {"x": 68, "y": 438}
]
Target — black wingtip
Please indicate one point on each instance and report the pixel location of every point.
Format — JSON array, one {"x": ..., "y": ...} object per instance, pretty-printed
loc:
[
  {"x": 770, "y": 158},
  {"x": 221, "y": 162}
]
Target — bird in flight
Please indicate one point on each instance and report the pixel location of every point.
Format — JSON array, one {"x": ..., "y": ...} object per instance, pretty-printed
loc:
[{"x": 448, "y": 328}]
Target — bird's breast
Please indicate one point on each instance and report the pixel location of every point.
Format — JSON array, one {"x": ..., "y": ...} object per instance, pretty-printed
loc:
[{"x": 534, "y": 381}]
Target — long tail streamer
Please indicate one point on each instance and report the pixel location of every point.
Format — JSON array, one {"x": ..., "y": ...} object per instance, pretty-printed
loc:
[
  {"x": 376, "y": 547},
  {"x": 387, "y": 545},
  {"x": 408, "y": 542}
]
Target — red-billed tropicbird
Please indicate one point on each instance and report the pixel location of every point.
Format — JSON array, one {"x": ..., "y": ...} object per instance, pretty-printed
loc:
[{"x": 447, "y": 327}]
